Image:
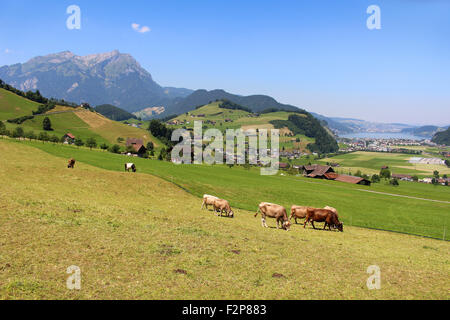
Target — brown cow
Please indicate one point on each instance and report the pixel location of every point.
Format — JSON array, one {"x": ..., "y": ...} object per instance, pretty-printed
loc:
[
  {"x": 221, "y": 206},
  {"x": 208, "y": 200},
  {"x": 71, "y": 163},
  {"x": 273, "y": 211},
  {"x": 323, "y": 215},
  {"x": 298, "y": 212}
]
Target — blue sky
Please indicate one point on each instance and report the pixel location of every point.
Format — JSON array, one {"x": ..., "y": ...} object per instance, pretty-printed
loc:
[{"x": 318, "y": 55}]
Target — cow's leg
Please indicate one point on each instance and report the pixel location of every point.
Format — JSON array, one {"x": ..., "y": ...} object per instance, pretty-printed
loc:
[
  {"x": 312, "y": 223},
  {"x": 296, "y": 220}
]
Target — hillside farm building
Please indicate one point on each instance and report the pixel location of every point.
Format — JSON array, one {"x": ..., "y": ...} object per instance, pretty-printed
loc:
[
  {"x": 317, "y": 171},
  {"x": 69, "y": 138},
  {"x": 327, "y": 172},
  {"x": 138, "y": 146}
]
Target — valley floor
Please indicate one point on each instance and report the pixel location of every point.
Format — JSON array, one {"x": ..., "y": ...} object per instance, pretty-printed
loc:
[{"x": 136, "y": 236}]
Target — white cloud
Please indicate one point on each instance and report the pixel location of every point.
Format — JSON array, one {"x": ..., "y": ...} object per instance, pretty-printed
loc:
[
  {"x": 136, "y": 27},
  {"x": 8, "y": 51}
]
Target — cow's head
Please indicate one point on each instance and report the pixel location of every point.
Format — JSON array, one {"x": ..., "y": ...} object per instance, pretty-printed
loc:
[
  {"x": 231, "y": 214},
  {"x": 287, "y": 225},
  {"x": 340, "y": 226},
  {"x": 134, "y": 169}
]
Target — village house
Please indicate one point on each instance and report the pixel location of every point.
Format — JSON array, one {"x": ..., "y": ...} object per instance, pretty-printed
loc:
[
  {"x": 403, "y": 177},
  {"x": 69, "y": 138},
  {"x": 317, "y": 171},
  {"x": 138, "y": 146}
]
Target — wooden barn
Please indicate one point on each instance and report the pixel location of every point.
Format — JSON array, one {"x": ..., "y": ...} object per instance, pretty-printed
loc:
[
  {"x": 317, "y": 171},
  {"x": 352, "y": 179}
]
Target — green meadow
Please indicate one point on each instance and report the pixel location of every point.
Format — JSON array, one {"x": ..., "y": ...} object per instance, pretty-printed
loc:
[
  {"x": 138, "y": 236},
  {"x": 390, "y": 208},
  {"x": 371, "y": 163}
]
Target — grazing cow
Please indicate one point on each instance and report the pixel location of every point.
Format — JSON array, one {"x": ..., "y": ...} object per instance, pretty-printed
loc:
[
  {"x": 208, "y": 200},
  {"x": 71, "y": 163},
  {"x": 221, "y": 206},
  {"x": 298, "y": 212},
  {"x": 130, "y": 166},
  {"x": 273, "y": 211},
  {"x": 323, "y": 215}
]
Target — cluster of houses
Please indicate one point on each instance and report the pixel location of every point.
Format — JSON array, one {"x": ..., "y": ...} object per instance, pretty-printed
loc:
[
  {"x": 384, "y": 145},
  {"x": 406, "y": 177}
]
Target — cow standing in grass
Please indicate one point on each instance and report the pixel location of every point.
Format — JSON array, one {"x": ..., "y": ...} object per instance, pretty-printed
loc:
[
  {"x": 298, "y": 212},
  {"x": 130, "y": 166},
  {"x": 208, "y": 200},
  {"x": 71, "y": 164},
  {"x": 323, "y": 215},
  {"x": 221, "y": 206},
  {"x": 273, "y": 211}
]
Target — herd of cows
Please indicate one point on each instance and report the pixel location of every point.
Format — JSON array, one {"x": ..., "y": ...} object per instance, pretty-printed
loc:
[{"x": 328, "y": 215}]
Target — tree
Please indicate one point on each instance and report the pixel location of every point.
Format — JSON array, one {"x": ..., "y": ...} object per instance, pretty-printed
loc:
[
  {"x": 104, "y": 146},
  {"x": 385, "y": 173},
  {"x": 43, "y": 136},
  {"x": 78, "y": 142},
  {"x": 375, "y": 178},
  {"x": 114, "y": 148},
  {"x": 120, "y": 140},
  {"x": 2, "y": 128},
  {"x": 54, "y": 139},
  {"x": 444, "y": 176},
  {"x": 47, "y": 124},
  {"x": 358, "y": 173},
  {"x": 436, "y": 174},
  {"x": 150, "y": 146},
  {"x": 30, "y": 135},
  {"x": 91, "y": 143},
  {"x": 415, "y": 178},
  {"x": 394, "y": 182},
  {"x": 18, "y": 133},
  {"x": 447, "y": 163}
]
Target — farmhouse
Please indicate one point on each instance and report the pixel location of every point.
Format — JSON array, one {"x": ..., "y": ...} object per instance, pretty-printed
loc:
[
  {"x": 352, "y": 179},
  {"x": 317, "y": 171},
  {"x": 403, "y": 177},
  {"x": 69, "y": 138},
  {"x": 138, "y": 146}
]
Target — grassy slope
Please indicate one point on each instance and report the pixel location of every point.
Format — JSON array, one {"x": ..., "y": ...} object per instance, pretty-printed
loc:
[
  {"x": 13, "y": 106},
  {"x": 241, "y": 120},
  {"x": 80, "y": 122},
  {"x": 128, "y": 239},
  {"x": 245, "y": 189},
  {"x": 371, "y": 163}
]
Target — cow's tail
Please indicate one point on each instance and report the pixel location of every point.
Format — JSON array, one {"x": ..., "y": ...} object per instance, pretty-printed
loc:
[{"x": 257, "y": 211}]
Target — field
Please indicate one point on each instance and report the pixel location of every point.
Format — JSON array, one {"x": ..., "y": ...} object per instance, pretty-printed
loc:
[
  {"x": 371, "y": 163},
  {"x": 138, "y": 236},
  {"x": 246, "y": 188},
  {"x": 14, "y": 106},
  {"x": 80, "y": 122}
]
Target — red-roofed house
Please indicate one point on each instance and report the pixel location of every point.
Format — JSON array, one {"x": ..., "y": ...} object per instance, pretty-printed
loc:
[{"x": 69, "y": 138}]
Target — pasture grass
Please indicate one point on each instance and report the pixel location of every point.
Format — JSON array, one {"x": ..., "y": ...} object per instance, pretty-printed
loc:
[
  {"x": 136, "y": 236},
  {"x": 245, "y": 189}
]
